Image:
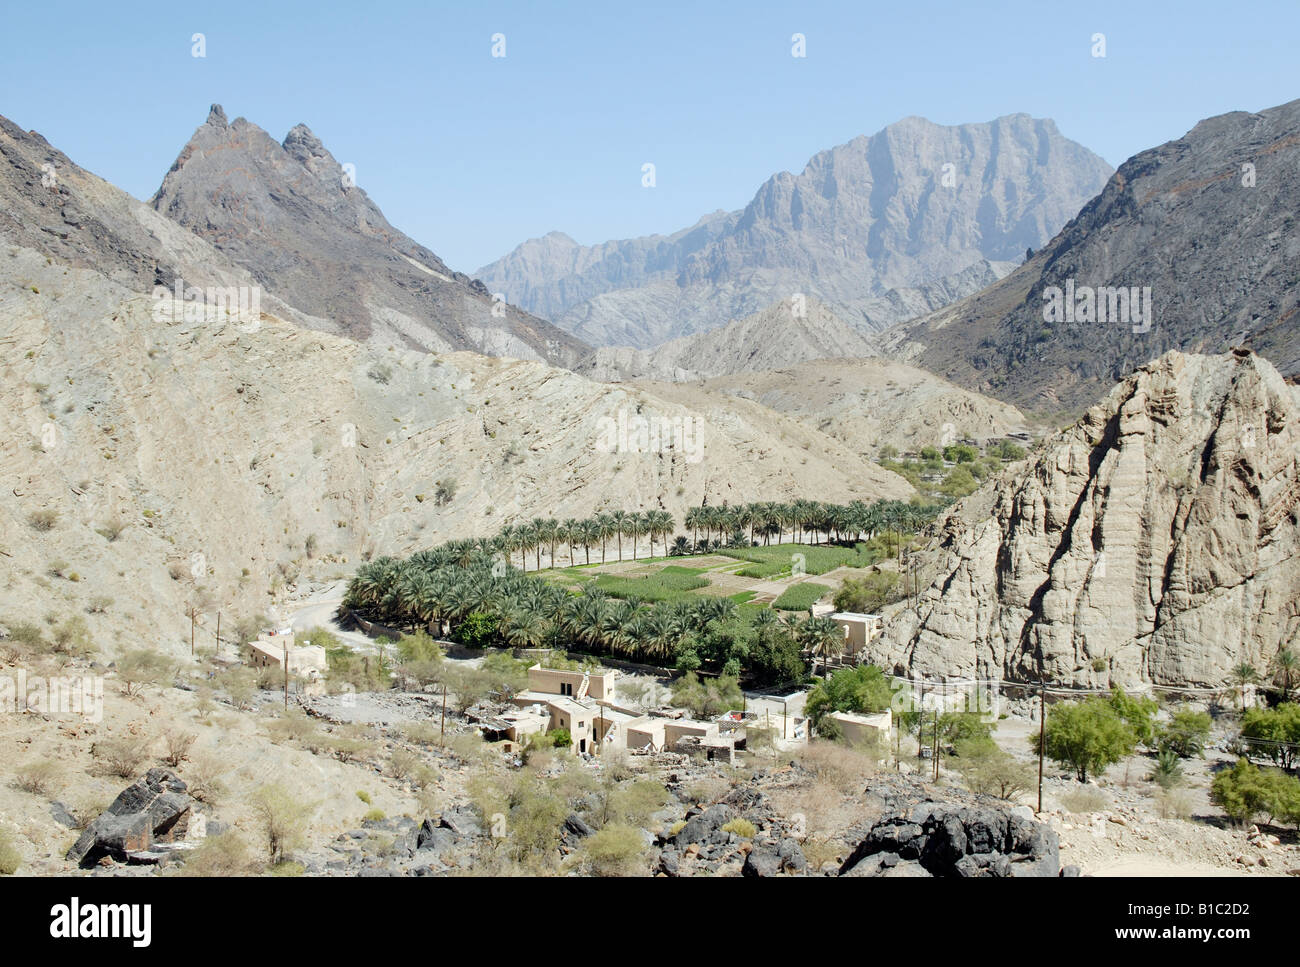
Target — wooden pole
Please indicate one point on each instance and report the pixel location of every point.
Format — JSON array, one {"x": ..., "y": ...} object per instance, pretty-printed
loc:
[
  {"x": 443, "y": 736},
  {"x": 192, "y": 616},
  {"x": 218, "y": 632},
  {"x": 1042, "y": 738},
  {"x": 286, "y": 676},
  {"x": 934, "y": 745}
]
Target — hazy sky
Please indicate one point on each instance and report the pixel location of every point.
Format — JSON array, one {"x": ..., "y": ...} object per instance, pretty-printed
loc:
[{"x": 471, "y": 154}]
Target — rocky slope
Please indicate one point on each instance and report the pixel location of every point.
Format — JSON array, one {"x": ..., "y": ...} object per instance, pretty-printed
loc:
[
  {"x": 1158, "y": 539},
  {"x": 878, "y": 227},
  {"x": 292, "y": 216},
  {"x": 1206, "y": 222},
  {"x": 783, "y": 334},
  {"x": 864, "y": 403},
  {"x": 235, "y": 460}
]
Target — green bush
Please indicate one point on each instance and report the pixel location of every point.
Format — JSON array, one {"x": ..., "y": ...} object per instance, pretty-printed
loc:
[
  {"x": 741, "y": 827},
  {"x": 1273, "y": 732},
  {"x": 1186, "y": 733},
  {"x": 1246, "y": 791}
]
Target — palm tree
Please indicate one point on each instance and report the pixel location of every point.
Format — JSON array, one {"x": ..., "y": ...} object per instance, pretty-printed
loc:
[
  {"x": 692, "y": 519},
  {"x": 680, "y": 547},
  {"x": 1242, "y": 675},
  {"x": 618, "y": 521},
  {"x": 823, "y": 637},
  {"x": 1285, "y": 665},
  {"x": 588, "y": 534},
  {"x": 570, "y": 535}
]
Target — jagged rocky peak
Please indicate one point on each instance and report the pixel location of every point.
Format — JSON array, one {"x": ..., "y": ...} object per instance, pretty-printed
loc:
[
  {"x": 294, "y": 217},
  {"x": 1155, "y": 540}
]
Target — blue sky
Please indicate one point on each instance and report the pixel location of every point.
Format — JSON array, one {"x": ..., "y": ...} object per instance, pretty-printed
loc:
[{"x": 471, "y": 154}]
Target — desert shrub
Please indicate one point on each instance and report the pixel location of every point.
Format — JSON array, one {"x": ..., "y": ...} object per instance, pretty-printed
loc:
[
  {"x": 741, "y": 827},
  {"x": 1173, "y": 803},
  {"x": 1085, "y": 799},
  {"x": 223, "y": 855},
  {"x": 72, "y": 637},
  {"x": 364, "y": 796},
  {"x": 240, "y": 685},
  {"x": 292, "y": 726},
  {"x": 37, "y": 777},
  {"x": 843, "y": 768},
  {"x": 615, "y": 850},
  {"x": 1273, "y": 732},
  {"x": 122, "y": 755},
  {"x": 282, "y": 819},
  {"x": 99, "y": 604},
  {"x": 402, "y": 764},
  {"x": 634, "y": 802},
  {"x": 10, "y": 858},
  {"x": 43, "y": 520},
  {"x": 141, "y": 668},
  {"x": 111, "y": 530},
  {"x": 419, "y": 733},
  {"x": 1186, "y": 733},
  {"x": 178, "y": 744},
  {"x": 204, "y": 777},
  {"x": 374, "y": 816},
  {"x": 991, "y": 771}
]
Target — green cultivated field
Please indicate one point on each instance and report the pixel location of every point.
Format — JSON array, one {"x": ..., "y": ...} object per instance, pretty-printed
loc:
[
  {"x": 670, "y": 582},
  {"x": 771, "y": 561},
  {"x": 800, "y": 597}
]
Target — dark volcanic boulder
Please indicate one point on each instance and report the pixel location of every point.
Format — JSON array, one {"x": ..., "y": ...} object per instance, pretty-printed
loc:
[
  {"x": 952, "y": 839},
  {"x": 153, "y": 809}
]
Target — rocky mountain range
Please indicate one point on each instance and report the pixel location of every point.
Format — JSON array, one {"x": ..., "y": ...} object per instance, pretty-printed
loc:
[
  {"x": 156, "y": 454},
  {"x": 1202, "y": 229},
  {"x": 294, "y": 217},
  {"x": 1156, "y": 540},
  {"x": 882, "y": 228}
]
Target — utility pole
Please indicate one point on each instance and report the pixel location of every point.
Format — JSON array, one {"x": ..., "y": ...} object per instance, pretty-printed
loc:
[
  {"x": 1042, "y": 738},
  {"x": 286, "y": 676},
  {"x": 935, "y": 745},
  {"x": 218, "y": 632},
  {"x": 192, "y": 617},
  {"x": 443, "y": 735}
]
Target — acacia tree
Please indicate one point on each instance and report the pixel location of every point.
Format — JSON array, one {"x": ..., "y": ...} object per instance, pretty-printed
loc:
[{"x": 1086, "y": 736}]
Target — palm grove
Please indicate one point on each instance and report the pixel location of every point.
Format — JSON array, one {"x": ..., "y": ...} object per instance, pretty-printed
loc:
[{"x": 471, "y": 591}]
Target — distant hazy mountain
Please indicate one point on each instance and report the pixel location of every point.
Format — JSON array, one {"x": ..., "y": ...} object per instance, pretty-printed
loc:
[
  {"x": 1206, "y": 223},
  {"x": 882, "y": 228},
  {"x": 291, "y": 215}
]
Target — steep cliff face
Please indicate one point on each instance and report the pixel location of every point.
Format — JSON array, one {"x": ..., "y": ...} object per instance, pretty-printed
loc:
[
  {"x": 1204, "y": 226},
  {"x": 1157, "y": 539}
]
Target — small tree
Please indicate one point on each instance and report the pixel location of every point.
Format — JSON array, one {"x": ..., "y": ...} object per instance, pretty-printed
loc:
[
  {"x": 141, "y": 668},
  {"x": 1086, "y": 736},
  {"x": 282, "y": 818},
  {"x": 1246, "y": 791},
  {"x": 1186, "y": 733},
  {"x": 1274, "y": 732},
  {"x": 991, "y": 771}
]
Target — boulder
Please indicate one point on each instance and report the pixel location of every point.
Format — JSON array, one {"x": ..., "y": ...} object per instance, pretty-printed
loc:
[
  {"x": 153, "y": 809},
  {"x": 955, "y": 839}
]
